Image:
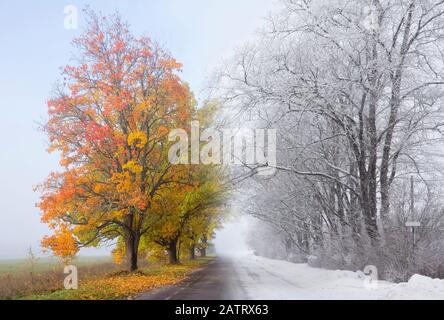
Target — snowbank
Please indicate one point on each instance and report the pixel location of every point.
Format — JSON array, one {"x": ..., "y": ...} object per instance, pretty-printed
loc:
[
  {"x": 418, "y": 288},
  {"x": 272, "y": 279}
]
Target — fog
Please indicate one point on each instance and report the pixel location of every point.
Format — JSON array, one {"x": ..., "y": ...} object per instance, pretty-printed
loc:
[{"x": 232, "y": 238}]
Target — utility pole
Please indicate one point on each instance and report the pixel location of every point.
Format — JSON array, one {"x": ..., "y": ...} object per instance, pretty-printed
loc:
[
  {"x": 412, "y": 198},
  {"x": 412, "y": 223}
]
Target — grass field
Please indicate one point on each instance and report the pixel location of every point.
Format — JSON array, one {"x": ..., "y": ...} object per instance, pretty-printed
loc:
[
  {"x": 99, "y": 279},
  {"x": 44, "y": 264},
  {"x": 124, "y": 285}
]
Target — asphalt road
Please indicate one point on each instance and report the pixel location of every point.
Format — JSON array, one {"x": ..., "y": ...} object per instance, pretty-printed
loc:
[{"x": 216, "y": 281}]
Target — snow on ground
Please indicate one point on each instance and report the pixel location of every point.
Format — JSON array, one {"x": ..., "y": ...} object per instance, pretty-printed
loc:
[{"x": 266, "y": 279}]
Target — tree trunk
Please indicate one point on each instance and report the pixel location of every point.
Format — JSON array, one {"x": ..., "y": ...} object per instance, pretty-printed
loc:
[
  {"x": 203, "y": 248},
  {"x": 369, "y": 175},
  {"x": 193, "y": 252},
  {"x": 203, "y": 252},
  {"x": 395, "y": 102},
  {"x": 132, "y": 249},
  {"x": 172, "y": 252}
]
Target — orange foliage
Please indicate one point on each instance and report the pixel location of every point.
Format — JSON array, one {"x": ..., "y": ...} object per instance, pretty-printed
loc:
[
  {"x": 109, "y": 121},
  {"x": 62, "y": 243}
]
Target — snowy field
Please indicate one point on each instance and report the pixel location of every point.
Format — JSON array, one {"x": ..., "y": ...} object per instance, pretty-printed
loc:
[{"x": 265, "y": 279}]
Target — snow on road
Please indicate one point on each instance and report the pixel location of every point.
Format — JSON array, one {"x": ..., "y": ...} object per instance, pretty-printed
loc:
[{"x": 266, "y": 279}]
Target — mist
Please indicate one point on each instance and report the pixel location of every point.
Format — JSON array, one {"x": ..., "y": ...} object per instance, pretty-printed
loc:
[{"x": 232, "y": 238}]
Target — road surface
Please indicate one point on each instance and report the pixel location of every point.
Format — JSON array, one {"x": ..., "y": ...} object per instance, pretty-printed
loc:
[
  {"x": 256, "y": 278},
  {"x": 216, "y": 281}
]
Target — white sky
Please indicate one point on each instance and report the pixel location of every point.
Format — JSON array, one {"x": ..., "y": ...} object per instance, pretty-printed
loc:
[{"x": 199, "y": 33}]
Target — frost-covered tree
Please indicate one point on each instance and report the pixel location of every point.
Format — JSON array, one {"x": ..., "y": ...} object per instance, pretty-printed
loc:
[{"x": 356, "y": 89}]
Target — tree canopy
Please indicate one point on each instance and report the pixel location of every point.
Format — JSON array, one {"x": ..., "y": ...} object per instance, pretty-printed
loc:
[{"x": 109, "y": 119}]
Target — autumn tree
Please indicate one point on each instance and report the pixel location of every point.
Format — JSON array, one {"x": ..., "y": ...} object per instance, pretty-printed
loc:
[
  {"x": 200, "y": 230},
  {"x": 188, "y": 213},
  {"x": 109, "y": 120}
]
